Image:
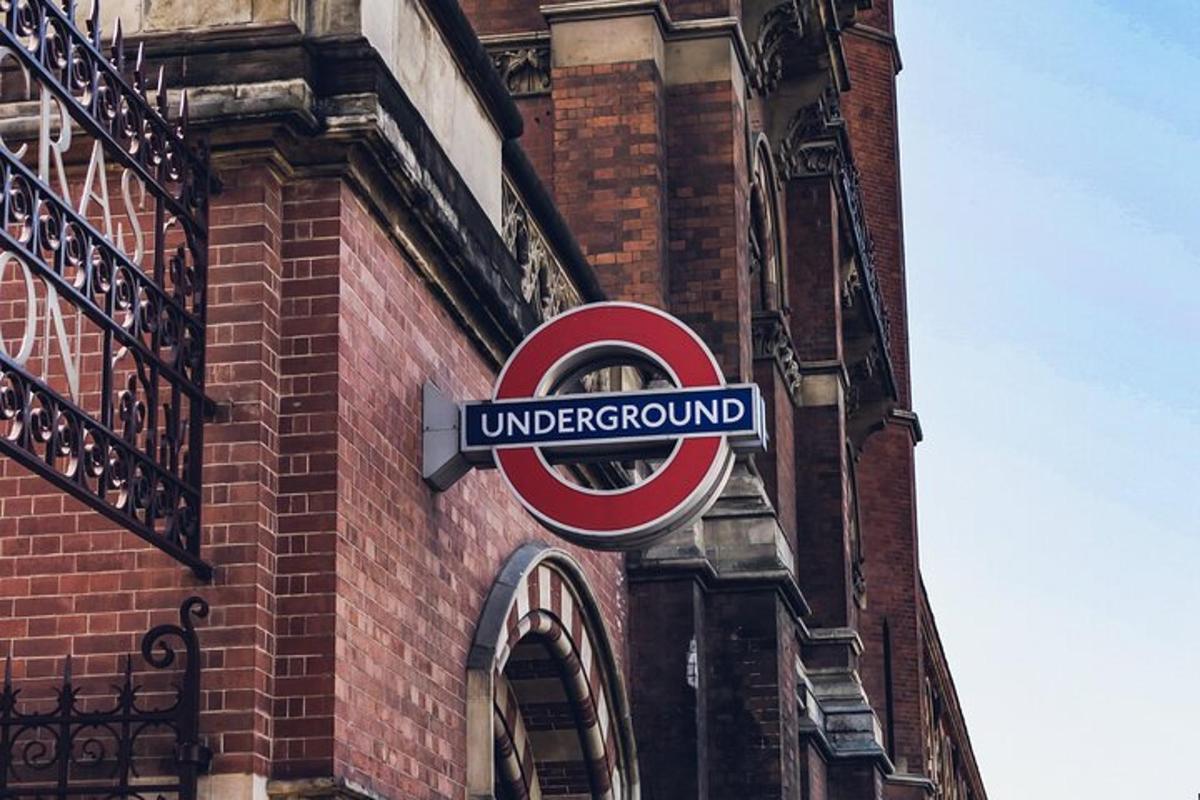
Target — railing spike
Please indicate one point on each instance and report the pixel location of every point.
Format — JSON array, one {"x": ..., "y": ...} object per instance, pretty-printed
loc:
[
  {"x": 67, "y": 672},
  {"x": 8, "y": 671},
  {"x": 161, "y": 91},
  {"x": 93, "y": 23},
  {"x": 118, "y": 47},
  {"x": 182, "y": 125},
  {"x": 139, "y": 70}
]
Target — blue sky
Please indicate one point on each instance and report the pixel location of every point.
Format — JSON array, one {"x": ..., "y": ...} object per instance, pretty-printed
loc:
[{"x": 1051, "y": 165}]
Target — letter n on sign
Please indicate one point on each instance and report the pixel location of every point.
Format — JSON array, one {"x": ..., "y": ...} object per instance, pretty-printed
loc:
[{"x": 103, "y": 276}]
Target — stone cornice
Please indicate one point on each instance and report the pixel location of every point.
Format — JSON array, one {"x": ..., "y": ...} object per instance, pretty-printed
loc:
[
  {"x": 910, "y": 420},
  {"x": 607, "y": 9}
]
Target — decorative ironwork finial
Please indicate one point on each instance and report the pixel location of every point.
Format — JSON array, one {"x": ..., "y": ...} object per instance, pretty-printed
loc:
[
  {"x": 181, "y": 125},
  {"x": 93, "y": 23},
  {"x": 139, "y": 70},
  {"x": 160, "y": 93},
  {"x": 118, "y": 47}
]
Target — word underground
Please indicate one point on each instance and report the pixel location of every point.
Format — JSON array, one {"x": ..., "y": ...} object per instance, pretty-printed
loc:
[{"x": 614, "y": 418}]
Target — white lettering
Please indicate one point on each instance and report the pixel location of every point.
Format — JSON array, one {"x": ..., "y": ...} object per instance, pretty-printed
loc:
[
  {"x": 629, "y": 417},
  {"x": 661, "y": 412},
  {"x": 607, "y": 418},
  {"x": 543, "y": 421},
  {"x": 585, "y": 420},
  {"x": 70, "y": 363},
  {"x": 499, "y": 429},
  {"x": 677, "y": 420},
  {"x": 518, "y": 422},
  {"x": 97, "y": 168},
  {"x": 711, "y": 412},
  {"x": 6, "y": 52},
  {"x": 566, "y": 420},
  {"x": 50, "y": 150},
  {"x": 732, "y": 403},
  {"x": 139, "y": 238}
]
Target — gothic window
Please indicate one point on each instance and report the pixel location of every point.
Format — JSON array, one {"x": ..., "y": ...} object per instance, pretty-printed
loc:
[{"x": 766, "y": 270}]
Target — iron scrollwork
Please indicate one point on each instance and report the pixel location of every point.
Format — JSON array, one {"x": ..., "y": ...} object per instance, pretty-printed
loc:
[
  {"x": 116, "y": 255},
  {"x": 119, "y": 751}
]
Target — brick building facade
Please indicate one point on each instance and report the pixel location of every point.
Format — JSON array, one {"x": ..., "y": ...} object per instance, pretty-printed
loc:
[{"x": 406, "y": 189}]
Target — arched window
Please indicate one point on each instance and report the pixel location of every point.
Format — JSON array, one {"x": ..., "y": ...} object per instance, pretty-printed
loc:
[
  {"x": 547, "y": 711},
  {"x": 766, "y": 249}
]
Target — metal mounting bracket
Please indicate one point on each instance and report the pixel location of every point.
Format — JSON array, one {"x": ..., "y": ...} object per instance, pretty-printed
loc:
[{"x": 442, "y": 460}]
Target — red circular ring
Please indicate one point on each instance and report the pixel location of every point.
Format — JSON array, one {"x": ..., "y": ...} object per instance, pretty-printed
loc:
[{"x": 570, "y": 508}]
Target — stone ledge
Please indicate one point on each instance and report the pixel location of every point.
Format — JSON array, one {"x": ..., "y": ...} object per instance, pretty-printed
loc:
[{"x": 319, "y": 789}]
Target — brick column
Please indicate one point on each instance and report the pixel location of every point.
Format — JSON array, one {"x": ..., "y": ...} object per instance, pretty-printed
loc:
[
  {"x": 886, "y": 472},
  {"x": 823, "y": 564},
  {"x": 667, "y": 653},
  {"x": 306, "y": 579},
  {"x": 709, "y": 208},
  {"x": 609, "y": 152}
]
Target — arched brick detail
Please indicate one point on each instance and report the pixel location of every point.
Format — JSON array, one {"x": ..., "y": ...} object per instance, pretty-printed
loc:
[
  {"x": 514, "y": 752},
  {"x": 542, "y": 594}
]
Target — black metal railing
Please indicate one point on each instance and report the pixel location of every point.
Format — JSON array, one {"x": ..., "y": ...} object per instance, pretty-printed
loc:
[
  {"x": 130, "y": 447},
  {"x": 78, "y": 746}
]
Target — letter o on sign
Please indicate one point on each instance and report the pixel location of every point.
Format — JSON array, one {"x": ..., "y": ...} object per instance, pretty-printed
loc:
[{"x": 679, "y": 491}]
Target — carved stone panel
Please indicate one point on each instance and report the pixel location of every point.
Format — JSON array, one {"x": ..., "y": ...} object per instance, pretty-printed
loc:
[
  {"x": 545, "y": 284},
  {"x": 524, "y": 66}
]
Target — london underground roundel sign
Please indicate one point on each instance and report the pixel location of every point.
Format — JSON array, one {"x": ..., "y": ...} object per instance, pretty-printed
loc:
[{"x": 524, "y": 427}]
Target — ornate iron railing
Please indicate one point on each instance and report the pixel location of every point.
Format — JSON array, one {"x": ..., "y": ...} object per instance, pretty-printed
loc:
[
  {"x": 121, "y": 751},
  {"x": 126, "y": 435}
]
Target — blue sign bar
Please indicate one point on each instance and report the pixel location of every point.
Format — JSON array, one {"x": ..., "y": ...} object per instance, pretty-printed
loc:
[{"x": 585, "y": 420}]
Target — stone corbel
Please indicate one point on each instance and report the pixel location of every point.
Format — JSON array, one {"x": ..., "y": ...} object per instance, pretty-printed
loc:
[{"x": 523, "y": 62}]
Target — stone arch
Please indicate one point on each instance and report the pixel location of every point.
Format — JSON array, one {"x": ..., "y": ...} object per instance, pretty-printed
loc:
[
  {"x": 768, "y": 289},
  {"x": 543, "y": 689}
]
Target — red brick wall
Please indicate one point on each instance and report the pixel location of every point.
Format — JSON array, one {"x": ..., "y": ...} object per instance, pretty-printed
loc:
[
  {"x": 870, "y": 111},
  {"x": 813, "y": 282},
  {"x": 538, "y": 139},
  {"x": 346, "y": 592},
  {"x": 778, "y": 465},
  {"x": 709, "y": 219},
  {"x": 886, "y": 492},
  {"x": 609, "y": 173},
  {"x": 748, "y": 640},
  {"x": 304, "y": 581},
  {"x": 885, "y": 472},
  {"x": 413, "y": 567},
  {"x": 73, "y": 583}
]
